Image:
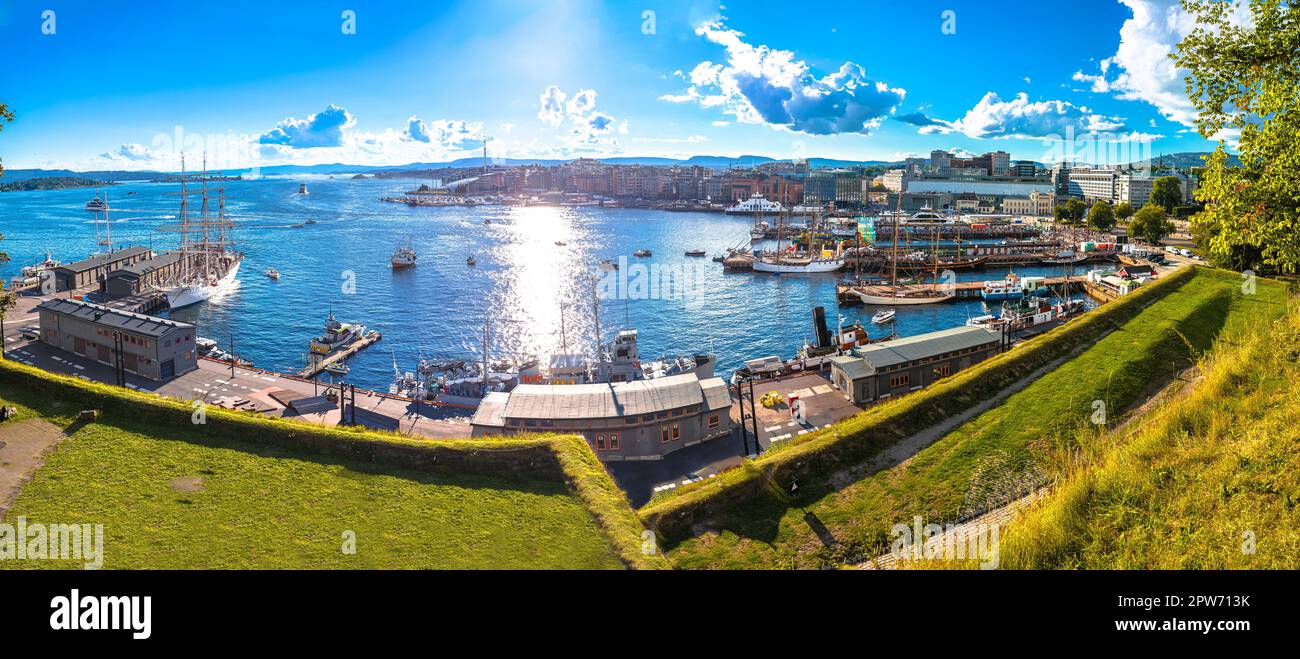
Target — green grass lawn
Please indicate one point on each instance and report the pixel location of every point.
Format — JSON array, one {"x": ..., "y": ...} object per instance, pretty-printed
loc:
[
  {"x": 1022, "y": 443},
  {"x": 167, "y": 500},
  {"x": 1211, "y": 481}
]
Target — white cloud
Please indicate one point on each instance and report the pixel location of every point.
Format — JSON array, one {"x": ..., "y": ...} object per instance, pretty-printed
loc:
[
  {"x": 762, "y": 85},
  {"x": 1141, "y": 69},
  {"x": 692, "y": 139},
  {"x": 506, "y": 127},
  {"x": 1019, "y": 117},
  {"x": 130, "y": 151},
  {"x": 322, "y": 129},
  {"x": 552, "y": 106}
]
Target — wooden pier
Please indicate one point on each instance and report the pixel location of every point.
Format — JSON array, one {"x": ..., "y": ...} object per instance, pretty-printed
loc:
[
  {"x": 317, "y": 365},
  {"x": 846, "y": 294}
]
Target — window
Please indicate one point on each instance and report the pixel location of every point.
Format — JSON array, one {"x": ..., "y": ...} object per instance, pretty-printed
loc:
[
  {"x": 663, "y": 434},
  {"x": 677, "y": 431},
  {"x": 613, "y": 441},
  {"x": 677, "y": 412},
  {"x": 943, "y": 370},
  {"x": 901, "y": 380},
  {"x": 600, "y": 442},
  {"x": 714, "y": 421}
]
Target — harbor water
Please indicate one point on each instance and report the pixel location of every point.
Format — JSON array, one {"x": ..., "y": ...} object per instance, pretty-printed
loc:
[{"x": 533, "y": 294}]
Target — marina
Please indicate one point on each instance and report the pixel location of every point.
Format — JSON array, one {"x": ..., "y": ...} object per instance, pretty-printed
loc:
[{"x": 519, "y": 283}]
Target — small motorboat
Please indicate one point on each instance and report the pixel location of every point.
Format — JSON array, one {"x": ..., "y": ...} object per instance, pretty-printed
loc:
[
  {"x": 298, "y": 226},
  {"x": 273, "y": 273},
  {"x": 641, "y": 252},
  {"x": 695, "y": 252},
  {"x": 608, "y": 264},
  {"x": 470, "y": 261},
  {"x": 310, "y": 222},
  {"x": 719, "y": 258},
  {"x": 487, "y": 220},
  {"x": 883, "y": 317},
  {"x": 560, "y": 243}
]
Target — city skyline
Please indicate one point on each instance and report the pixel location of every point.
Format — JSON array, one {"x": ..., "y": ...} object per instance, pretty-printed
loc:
[{"x": 378, "y": 86}]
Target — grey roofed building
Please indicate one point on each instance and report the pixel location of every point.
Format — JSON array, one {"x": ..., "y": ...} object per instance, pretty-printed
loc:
[
  {"x": 137, "y": 323},
  {"x": 923, "y": 346},
  {"x": 151, "y": 347},
  {"x": 889, "y": 368},
  {"x": 633, "y": 420},
  {"x": 88, "y": 272},
  {"x": 134, "y": 278},
  {"x": 599, "y": 401}
]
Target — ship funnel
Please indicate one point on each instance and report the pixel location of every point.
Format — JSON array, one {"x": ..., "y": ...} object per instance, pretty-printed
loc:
[{"x": 819, "y": 327}]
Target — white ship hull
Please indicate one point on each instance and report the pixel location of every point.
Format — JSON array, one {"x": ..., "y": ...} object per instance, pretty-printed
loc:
[
  {"x": 889, "y": 300},
  {"x": 790, "y": 268},
  {"x": 184, "y": 296}
]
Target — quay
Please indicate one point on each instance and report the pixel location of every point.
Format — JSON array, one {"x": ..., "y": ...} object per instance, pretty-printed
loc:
[
  {"x": 315, "y": 366},
  {"x": 847, "y": 295}
]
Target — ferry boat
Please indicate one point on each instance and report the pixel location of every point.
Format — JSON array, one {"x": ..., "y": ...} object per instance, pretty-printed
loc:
[
  {"x": 337, "y": 336},
  {"x": 404, "y": 257},
  {"x": 97, "y": 204},
  {"x": 209, "y": 264},
  {"x": 35, "y": 270},
  {"x": 1005, "y": 289},
  {"x": 884, "y": 316},
  {"x": 756, "y": 203}
]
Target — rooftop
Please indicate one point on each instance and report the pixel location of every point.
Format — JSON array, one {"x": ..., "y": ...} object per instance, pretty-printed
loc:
[
  {"x": 101, "y": 259},
  {"x": 606, "y": 400},
  {"x": 923, "y": 346},
  {"x": 114, "y": 318}
]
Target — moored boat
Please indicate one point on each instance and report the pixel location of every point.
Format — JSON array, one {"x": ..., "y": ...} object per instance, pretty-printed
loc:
[{"x": 883, "y": 316}]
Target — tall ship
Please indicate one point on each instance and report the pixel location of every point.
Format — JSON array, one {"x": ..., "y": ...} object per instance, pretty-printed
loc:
[
  {"x": 209, "y": 262},
  {"x": 792, "y": 261},
  {"x": 893, "y": 294}
]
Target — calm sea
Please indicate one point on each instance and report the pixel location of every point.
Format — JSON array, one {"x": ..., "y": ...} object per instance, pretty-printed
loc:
[{"x": 535, "y": 297}]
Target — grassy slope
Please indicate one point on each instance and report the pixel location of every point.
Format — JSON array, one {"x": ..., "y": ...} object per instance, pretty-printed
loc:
[
  {"x": 988, "y": 456},
  {"x": 1185, "y": 487},
  {"x": 264, "y": 507}
]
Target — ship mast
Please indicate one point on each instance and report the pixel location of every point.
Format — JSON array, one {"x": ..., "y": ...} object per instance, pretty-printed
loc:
[{"x": 893, "y": 257}]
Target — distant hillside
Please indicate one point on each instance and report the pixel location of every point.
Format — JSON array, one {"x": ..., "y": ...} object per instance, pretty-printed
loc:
[{"x": 51, "y": 183}]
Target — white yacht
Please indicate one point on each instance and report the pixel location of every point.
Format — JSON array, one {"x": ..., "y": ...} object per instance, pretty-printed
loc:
[{"x": 404, "y": 257}]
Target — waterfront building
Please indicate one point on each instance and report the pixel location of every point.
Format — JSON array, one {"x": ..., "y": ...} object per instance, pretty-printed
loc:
[
  {"x": 90, "y": 272},
  {"x": 897, "y": 180},
  {"x": 637, "y": 420},
  {"x": 1005, "y": 186},
  {"x": 1038, "y": 204},
  {"x": 153, "y": 348},
  {"x": 890, "y": 368},
  {"x": 1136, "y": 188},
  {"x": 1093, "y": 184},
  {"x": 154, "y": 272}
]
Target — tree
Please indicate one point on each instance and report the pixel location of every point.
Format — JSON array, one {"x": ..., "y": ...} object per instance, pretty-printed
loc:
[
  {"x": 1167, "y": 192},
  {"x": 1123, "y": 211},
  {"x": 5, "y": 115},
  {"x": 1070, "y": 212},
  {"x": 1246, "y": 81},
  {"x": 1101, "y": 217},
  {"x": 1150, "y": 224}
]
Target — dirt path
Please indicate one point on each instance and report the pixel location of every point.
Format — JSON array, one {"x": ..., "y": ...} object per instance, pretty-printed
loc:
[{"x": 23, "y": 448}]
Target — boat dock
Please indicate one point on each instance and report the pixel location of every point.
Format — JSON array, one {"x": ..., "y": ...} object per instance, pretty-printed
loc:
[
  {"x": 317, "y": 365},
  {"x": 846, "y": 294}
]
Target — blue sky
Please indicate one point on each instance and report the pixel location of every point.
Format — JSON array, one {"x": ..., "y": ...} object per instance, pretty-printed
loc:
[{"x": 121, "y": 85}]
